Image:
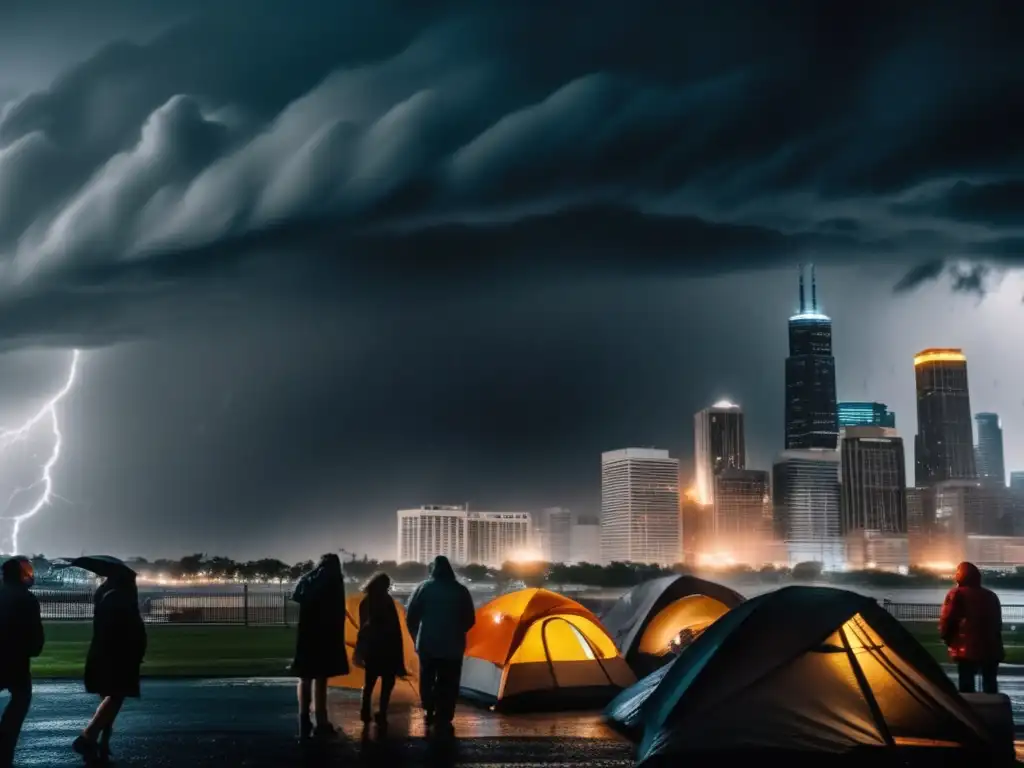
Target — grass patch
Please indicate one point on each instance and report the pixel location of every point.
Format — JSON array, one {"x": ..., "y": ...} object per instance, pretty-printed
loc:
[
  {"x": 927, "y": 633},
  {"x": 178, "y": 651},
  {"x": 238, "y": 651}
]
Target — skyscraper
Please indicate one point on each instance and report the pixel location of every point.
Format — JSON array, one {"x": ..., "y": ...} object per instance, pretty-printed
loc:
[
  {"x": 944, "y": 446},
  {"x": 1017, "y": 481},
  {"x": 874, "y": 481},
  {"x": 866, "y": 415},
  {"x": 718, "y": 445},
  {"x": 552, "y": 534},
  {"x": 989, "y": 453},
  {"x": 640, "y": 506},
  {"x": 805, "y": 496},
  {"x": 812, "y": 419},
  {"x": 740, "y": 499}
]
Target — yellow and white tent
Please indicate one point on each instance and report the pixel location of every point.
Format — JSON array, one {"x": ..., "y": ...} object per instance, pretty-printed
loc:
[{"x": 534, "y": 649}]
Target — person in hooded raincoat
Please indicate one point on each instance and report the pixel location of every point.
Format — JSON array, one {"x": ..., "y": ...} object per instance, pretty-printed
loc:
[
  {"x": 971, "y": 626},
  {"x": 320, "y": 642},
  {"x": 379, "y": 645},
  {"x": 21, "y": 630},
  {"x": 440, "y": 613},
  {"x": 112, "y": 665}
]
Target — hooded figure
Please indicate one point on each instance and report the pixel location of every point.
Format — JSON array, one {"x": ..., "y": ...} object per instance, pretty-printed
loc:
[
  {"x": 439, "y": 614},
  {"x": 320, "y": 642},
  {"x": 22, "y": 631},
  {"x": 971, "y": 625}
]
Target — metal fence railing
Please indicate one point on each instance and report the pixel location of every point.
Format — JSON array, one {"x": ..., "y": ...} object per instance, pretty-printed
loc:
[
  {"x": 240, "y": 607},
  {"x": 255, "y": 607},
  {"x": 1012, "y": 614}
]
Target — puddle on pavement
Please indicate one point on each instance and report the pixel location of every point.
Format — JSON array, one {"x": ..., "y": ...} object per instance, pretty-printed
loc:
[{"x": 406, "y": 719}]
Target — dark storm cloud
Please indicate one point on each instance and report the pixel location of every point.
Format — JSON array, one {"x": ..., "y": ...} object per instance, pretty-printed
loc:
[{"x": 463, "y": 138}]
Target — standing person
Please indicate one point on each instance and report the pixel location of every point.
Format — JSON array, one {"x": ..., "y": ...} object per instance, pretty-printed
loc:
[
  {"x": 21, "y": 630},
  {"x": 971, "y": 625},
  {"x": 112, "y": 665},
  {"x": 379, "y": 646},
  {"x": 440, "y": 613},
  {"x": 320, "y": 643}
]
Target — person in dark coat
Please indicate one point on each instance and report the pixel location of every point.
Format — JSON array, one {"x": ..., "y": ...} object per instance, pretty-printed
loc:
[
  {"x": 440, "y": 613},
  {"x": 971, "y": 626},
  {"x": 320, "y": 644},
  {"x": 21, "y": 631},
  {"x": 379, "y": 647},
  {"x": 112, "y": 665}
]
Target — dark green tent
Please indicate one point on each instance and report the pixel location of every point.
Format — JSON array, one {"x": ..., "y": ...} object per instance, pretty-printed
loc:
[
  {"x": 646, "y": 605},
  {"x": 808, "y": 675}
]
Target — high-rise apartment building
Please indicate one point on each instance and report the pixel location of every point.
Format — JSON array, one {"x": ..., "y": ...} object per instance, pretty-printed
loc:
[
  {"x": 586, "y": 540},
  {"x": 487, "y": 538},
  {"x": 874, "y": 481},
  {"x": 718, "y": 445},
  {"x": 739, "y": 514},
  {"x": 866, "y": 415},
  {"x": 812, "y": 419},
  {"x": 640, "y": 506},
  {"x": 806, "y": 502},
  {"x": 944, "y": 446},
  {"x": 553, "y": 534},
  {"x": 493, "y": 538},
  {"x": 432, "y": 530},
  {"x": 989, "y": 451}
]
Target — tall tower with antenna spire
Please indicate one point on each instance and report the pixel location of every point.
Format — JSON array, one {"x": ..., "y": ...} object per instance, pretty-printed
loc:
[{"x": 812, "y": 414}]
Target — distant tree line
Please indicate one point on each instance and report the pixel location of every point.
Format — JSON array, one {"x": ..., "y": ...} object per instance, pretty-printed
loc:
[{"x": 200, "y": 567}]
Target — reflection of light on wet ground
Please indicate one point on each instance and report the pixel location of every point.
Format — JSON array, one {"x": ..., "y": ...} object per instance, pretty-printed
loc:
[{"x": 405, "y": 720}]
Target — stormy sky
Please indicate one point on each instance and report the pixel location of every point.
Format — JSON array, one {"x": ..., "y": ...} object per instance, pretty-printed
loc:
[{"x": 380, "y": 253}]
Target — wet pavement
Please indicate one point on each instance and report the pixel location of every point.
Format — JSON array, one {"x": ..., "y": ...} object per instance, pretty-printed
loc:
[{"x": 252, "y": 723}]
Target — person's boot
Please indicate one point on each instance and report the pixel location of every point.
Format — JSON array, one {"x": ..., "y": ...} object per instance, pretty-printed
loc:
[
  {"x": 381, "y": 718},
  {"x": 103, "y": 750},
  {"x": 325, "y": 730},
  {"x": 305, "y": 727},
  {"x": 86, "y": 748}
]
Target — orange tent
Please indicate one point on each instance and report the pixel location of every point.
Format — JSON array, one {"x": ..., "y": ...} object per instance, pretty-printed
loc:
[
  {"x": 536, "y": 649},
  {"x": 406, "y": 689}
]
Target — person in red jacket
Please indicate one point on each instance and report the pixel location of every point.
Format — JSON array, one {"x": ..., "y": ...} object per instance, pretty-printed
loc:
[{"x": 971, "y": 626}]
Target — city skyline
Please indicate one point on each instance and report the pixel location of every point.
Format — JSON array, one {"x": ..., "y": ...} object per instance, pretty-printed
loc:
[{"x": 454, "y": 251}]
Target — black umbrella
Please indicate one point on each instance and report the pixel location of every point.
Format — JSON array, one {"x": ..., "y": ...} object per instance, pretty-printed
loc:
[{"x": 102, "y": 565}]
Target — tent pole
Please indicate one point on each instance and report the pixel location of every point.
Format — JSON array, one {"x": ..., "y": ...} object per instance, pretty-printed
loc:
[
  {"x": 547, "y": 650},
  {"x": 876, "y": 711}
]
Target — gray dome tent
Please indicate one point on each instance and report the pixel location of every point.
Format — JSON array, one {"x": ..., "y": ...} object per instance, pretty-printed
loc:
[
  {"x": 805, "y": 673},
  {"x": 645, "y": 621}
]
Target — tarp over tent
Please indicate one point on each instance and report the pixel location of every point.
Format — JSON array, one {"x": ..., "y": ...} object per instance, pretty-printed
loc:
[
  {"x": 804, "y": 672},
  {"x": 645, "y": 622},
  {"x": 407, "y": 688},
  {"x": 535, "y": 649}
]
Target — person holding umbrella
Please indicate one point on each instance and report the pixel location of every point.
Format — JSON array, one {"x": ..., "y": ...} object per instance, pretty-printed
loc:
[
  {"x": 115, "y": 654},
  {"x": 21, "y": 629}
]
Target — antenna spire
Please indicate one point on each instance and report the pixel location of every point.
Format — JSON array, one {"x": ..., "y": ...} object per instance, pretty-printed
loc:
[
  {"x": 814, "y": 291},
  {"x": 803, "y": 304}
]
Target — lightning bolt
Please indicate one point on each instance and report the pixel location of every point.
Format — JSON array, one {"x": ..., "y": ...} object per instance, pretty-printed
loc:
[{"x": 44, "y": 485}]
